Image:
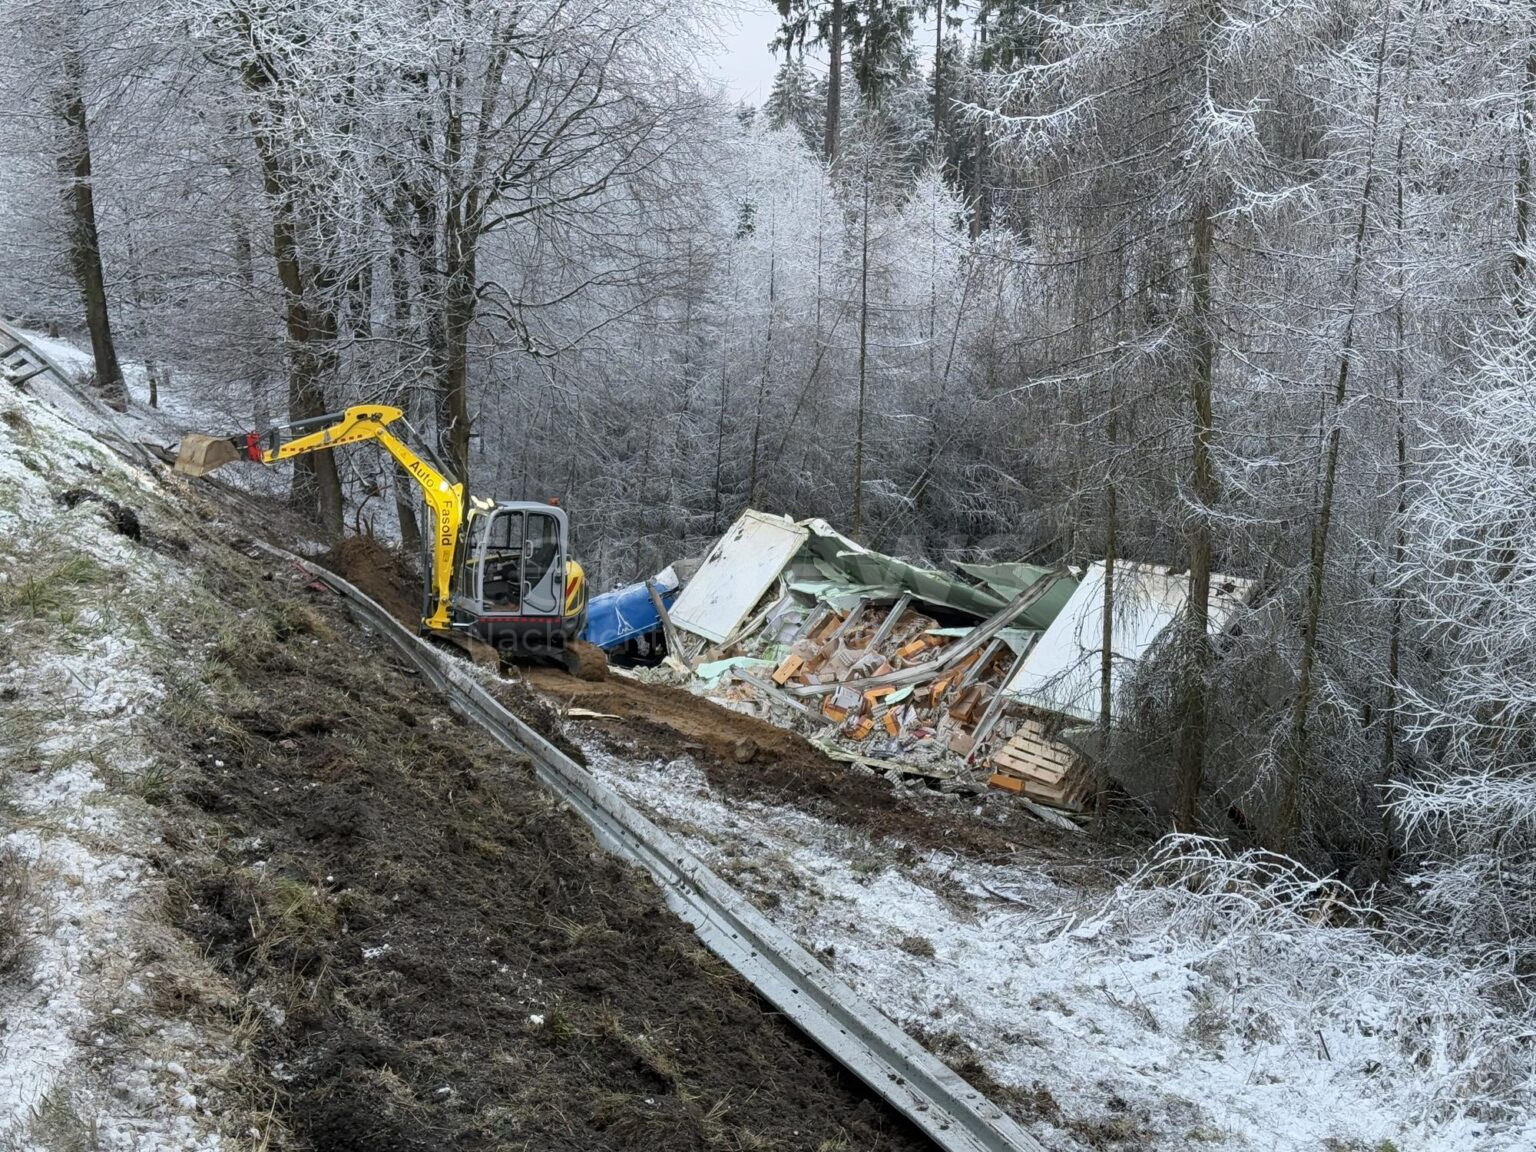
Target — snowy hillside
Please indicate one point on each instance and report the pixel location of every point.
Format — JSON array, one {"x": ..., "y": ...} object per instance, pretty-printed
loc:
[{"x": 117, "y": 1030}]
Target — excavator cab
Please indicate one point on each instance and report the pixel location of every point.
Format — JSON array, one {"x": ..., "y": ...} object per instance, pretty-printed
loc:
[{"x": 517, "y": 588}]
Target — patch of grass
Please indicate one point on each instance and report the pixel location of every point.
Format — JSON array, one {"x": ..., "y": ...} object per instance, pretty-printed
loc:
[
  {"x": 57, "y": 1125},
  {"x": 16, "y": 420},
  {"x": 155, "y": 783},
  {"x": 1119, "y": 1127},
  {"x": 678, "y": 1119},
  {"x": 557, "y": 1027},
  {"x": 15, "y": 903},
  {"x": 487, "y": 849},
  {"x": 1208, "y": 1026},
  {"x": 653, "y": 1052},
  {"x": 291, "y": 618},
  {"x": 191, "y": 709},
  {"x": 300, "y": 911},
  {"x": 919, "y": 946},
  {"x": 26, "y": 729},
  {"x": 575, "y": 932},
  {"x": 53, "y": 590}
]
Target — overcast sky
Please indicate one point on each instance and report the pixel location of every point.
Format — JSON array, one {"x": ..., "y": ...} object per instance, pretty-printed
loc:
[{"x": 745, "y": 66}]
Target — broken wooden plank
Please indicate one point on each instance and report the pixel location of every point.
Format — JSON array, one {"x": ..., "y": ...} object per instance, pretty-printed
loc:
[
  {"x": 995, "y": 709},
  {"x": 978, "y": 669},
  {"x": 948, "y": 657},
  {"x": 1033, "y": 754},
  {"x": 851, "y": 619},
  {"x": 588, "y": 714},
  {"x": 1031, "y": 773},
  {"x": 773, "y": 693},
  {"x": 792, "y": 664},
  {"x": 674, "y": 644}
]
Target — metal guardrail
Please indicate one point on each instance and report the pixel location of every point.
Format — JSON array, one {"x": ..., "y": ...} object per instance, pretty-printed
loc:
[
  {"x": 13, "y": 341},
  {"x": 21, "y": 361},
  {"x": 952, "y": 1113}
]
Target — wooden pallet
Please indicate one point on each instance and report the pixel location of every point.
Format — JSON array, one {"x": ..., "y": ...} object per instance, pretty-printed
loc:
[{"x": 1033, "y": 764}]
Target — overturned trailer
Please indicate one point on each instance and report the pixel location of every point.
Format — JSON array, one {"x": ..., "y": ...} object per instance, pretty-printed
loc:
[
  {"x": 976, "y": 674},
  {"x": 895, "y": 666}
]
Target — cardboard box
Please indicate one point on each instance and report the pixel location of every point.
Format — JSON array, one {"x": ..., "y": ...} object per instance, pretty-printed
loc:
[{"x": 792, "y": 664}]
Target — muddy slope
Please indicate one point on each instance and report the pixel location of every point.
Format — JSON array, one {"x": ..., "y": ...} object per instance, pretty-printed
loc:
[{"x": 434, "y": 955}]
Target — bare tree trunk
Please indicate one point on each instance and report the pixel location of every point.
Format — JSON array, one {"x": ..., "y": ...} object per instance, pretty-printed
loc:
[
  {"x": 1194, "y": 702},
  {"x": 766, "y": 379},
  {"x": 140, "y": 307},
  {"x": 1298, "y": 765},
  {"x": 834, "y": 82},
  {"x": 934, "y": 443},
  {"x": 857, "y": 519},
  {"x": 458, "y": 316},
  {"x": 74, "y": 163},
  {"x": 1523, "y": 181},
  {"x": 404, "y": 334},
  {"x": 719, "y": 500},
  {"x": 980, "y": 209},
  {"x": 685, "y": 398},
  {"x": 458, "y": 301},
  {"x": 1389, "y": 834},
  {"x": 316, "y": 483},
  {"x": 245, "y": 266},
  {"x": 310, "y": 327},
  {"x": 938, "y": 81},
  {"x": 1399, "y": 552}
]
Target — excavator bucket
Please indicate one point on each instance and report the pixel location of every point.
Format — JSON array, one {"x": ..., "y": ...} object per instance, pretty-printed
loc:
[{"x": 200, "y": 455}]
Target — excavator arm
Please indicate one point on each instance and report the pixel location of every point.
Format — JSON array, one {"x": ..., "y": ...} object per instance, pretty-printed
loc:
[{"x": 201, "y": 454}]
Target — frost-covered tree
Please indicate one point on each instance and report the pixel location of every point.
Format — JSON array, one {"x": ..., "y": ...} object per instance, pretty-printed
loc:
[
  {"x": 793, "y": 102},
  {"x": 1470, "y": 811},
  {"x": 1161, "y": 130}
]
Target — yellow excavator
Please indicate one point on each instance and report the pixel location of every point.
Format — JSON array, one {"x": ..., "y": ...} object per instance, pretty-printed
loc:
[{"x": 500, "y": 573}]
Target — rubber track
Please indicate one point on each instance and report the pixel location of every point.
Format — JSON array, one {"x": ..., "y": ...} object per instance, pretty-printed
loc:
[{"x": 952, "y": 1113}]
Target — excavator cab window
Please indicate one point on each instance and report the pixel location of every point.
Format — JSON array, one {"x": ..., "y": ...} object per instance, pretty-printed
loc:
[
  {"x": 522, "y": 561},
  {"x": 543, "y": 572},
  {"x": 504, "y": 546}
]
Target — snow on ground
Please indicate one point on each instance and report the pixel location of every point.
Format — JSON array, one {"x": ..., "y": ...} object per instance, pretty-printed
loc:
[
  {"x": 104, "y": 1042},
  {"x": 1141, "y": 1030},
  {"x": 185, "y": 404}
]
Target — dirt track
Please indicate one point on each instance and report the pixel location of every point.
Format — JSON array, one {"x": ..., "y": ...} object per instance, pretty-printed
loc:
[{"x": 435, "y": 956}]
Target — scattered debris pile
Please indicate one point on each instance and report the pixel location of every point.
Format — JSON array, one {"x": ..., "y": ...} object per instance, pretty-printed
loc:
[
  {"x": 992, "y": 675},
  {"x": 889, "y": 665}
]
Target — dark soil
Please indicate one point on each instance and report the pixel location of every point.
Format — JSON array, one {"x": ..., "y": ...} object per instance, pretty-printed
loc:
[
  {"x": 782, "y": 767},
  {"x": 380, "y": 572},
  {"x": 123, "y": 520},
  {"x": 438, "y": 955}
]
